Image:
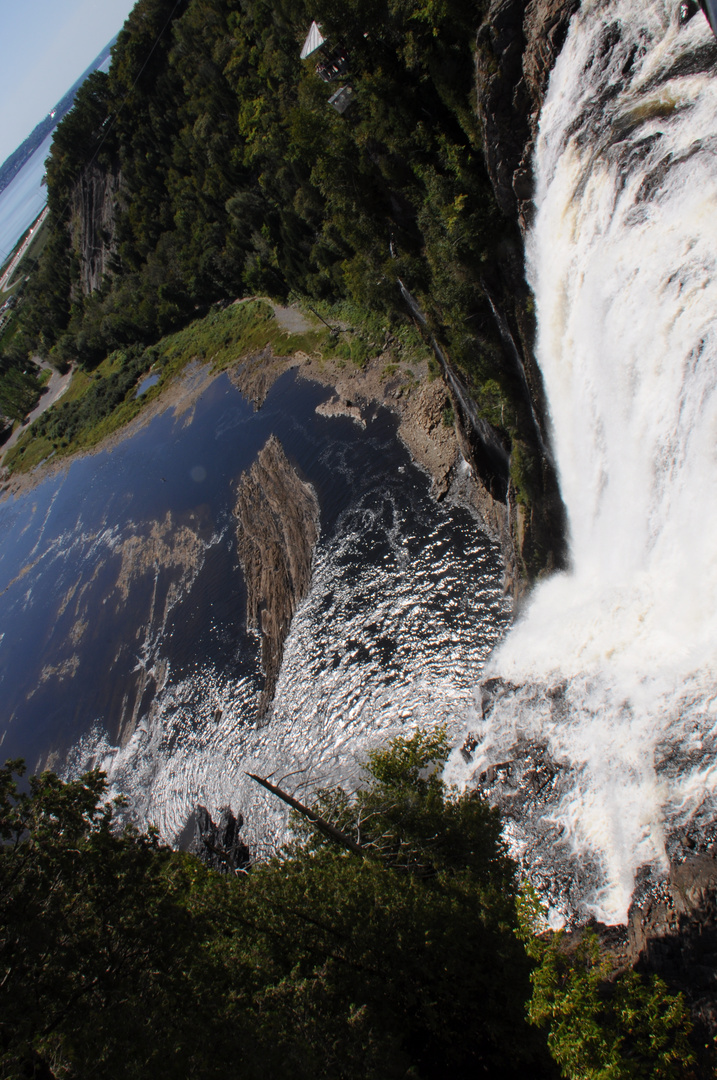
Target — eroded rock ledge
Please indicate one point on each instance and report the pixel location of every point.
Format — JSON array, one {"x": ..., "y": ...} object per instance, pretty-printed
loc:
[
  {"x": 219, "y": 844},
  {"x": 672, "y": 930},
  {"x": 277, "y": 529}
]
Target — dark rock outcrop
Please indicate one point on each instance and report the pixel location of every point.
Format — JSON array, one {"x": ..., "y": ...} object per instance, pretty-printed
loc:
[
  {"x": 277, "y": 528},
  {"x": 219, "y": 845},
  {"x": 517, "y": 45},
  {"x": 672, "y": 931},
  {"x": 93, "y": 223}
]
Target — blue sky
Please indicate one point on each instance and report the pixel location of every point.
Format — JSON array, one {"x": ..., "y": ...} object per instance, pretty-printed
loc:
[{"x": 45, "y": 45}]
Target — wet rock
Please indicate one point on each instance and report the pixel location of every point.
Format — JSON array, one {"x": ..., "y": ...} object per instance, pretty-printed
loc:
[
  {"x": 339, "y": 406},
  {"x": 219, "y": 845},
  {"x": 257, "y": 373},
  {"x": 277, "y": 528},
  {"x": 516, "y": 48},
  {"x": 672, "y": 931},
  {"x": 518, "y": 44}
]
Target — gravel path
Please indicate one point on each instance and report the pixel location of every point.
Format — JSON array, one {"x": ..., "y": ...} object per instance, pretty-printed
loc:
[{"x": 54, "y": 390}]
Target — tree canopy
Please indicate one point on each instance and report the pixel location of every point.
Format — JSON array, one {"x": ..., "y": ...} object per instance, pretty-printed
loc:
[
  {"x": 235, "y": 176},
  {"x": 122, "y": 958}
]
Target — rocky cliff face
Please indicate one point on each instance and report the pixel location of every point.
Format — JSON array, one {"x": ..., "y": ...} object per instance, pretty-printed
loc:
[
  {"x": 673, "y": 932},
  {"x": 517, "y": 45},
  {"x": 277, "y": 528},
  {"x": 219, "y": 844},
  {"x": 93, "y": 223}
]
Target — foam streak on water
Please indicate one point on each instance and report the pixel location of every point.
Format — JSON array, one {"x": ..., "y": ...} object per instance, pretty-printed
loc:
[
  {"x": 613, "y": 669},
  {"x": 393, "y": 633}
]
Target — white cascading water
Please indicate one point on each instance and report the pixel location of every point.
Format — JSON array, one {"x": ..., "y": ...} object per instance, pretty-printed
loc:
[{"x": 612, "y": 670}]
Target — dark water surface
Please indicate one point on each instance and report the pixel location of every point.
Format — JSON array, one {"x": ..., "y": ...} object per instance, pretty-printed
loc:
[{"x": 122, "y": 604}]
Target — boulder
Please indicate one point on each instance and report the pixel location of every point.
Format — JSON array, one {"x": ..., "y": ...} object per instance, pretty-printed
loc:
[{"x": 219, "y": 845}]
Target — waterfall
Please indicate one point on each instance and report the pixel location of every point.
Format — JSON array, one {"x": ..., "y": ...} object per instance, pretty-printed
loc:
[{"x": 598, "y": 729}]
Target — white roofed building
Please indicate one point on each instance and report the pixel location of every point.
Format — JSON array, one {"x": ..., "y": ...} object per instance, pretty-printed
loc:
[
  {"x": 333, "y": 65},
  {"x": 314, "y": 40}
]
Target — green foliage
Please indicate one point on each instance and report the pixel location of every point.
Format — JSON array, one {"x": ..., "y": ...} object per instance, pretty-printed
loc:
[
  {"x": 606, "y": 1027},
  {"x": 70, "y": 419},
  {"x": 525, "y": 472},
  {"x": 225, "y": 336},
  {"x": 495, "y": 405},
  {"x": 19, "y": 388},
  {"x": 362, "y": 334},
  {"x": 237, "y": 177},
  {"x": 95, "y": 936},
  {"x": 417, "y": 956},
  {"x": 408, "y": 817},
  {"x": 123, "y": 959}
]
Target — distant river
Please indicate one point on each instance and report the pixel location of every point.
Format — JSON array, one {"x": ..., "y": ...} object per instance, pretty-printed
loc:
[
  {"x": 123, "y": 637},
  {"x": 23, "y": 199}
]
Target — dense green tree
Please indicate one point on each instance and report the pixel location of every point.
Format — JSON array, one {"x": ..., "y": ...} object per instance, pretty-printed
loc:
[
  {"x": 603, "y": 1024},
  {"x": 237, "y": 176},
  {"x": 94, "y": 936},
  {"x": 400, "y": 961},
  {"x": 19, "y": 388},
  {"x": 397, "y": 952},
  {"x": 121, "y": 958}
]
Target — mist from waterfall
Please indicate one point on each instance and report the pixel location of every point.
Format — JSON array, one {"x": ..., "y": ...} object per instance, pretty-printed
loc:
[{"x": 611, "y": 672}]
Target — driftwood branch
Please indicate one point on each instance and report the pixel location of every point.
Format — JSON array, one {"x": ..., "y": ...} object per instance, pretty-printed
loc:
[{"x": 321, "y": 823}]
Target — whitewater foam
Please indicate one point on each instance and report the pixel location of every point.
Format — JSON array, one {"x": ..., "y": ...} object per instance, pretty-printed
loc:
[
  {"x": 621, "y": 259},
  {"x": 402, "y": 612}
]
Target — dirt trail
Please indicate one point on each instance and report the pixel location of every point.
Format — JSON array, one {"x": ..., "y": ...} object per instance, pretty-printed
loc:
[{"x": 53, "y": 391}]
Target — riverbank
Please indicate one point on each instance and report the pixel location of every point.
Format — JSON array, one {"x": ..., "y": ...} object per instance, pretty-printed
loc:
[
  {"x": 255, "y": 341},
  {"x": 20, "y": 254}
]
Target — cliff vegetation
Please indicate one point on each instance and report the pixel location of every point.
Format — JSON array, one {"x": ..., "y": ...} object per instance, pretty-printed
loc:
[{"x": 401, "y": 957}]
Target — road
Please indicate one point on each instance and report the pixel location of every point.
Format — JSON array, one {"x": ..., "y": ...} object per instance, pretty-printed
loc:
[
  {"x": 23, "y": 250},
  {"x": 54, "y": 390}
]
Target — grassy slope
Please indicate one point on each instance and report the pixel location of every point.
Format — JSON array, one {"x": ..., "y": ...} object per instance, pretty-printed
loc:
[{"x": 89, "y": 411}]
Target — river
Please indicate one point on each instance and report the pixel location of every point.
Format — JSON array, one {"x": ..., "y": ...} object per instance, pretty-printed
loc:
[
  {"x": 23, "y": 199},
  {"x": 123, "y": 637},
  {"x": 25, "y": 196}
]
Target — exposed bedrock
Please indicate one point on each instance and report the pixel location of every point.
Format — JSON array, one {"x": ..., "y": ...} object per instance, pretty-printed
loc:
[
  {"x": 219, "y": 844},
  {"x": 517, "y": 45},
  {"x": 277, "y": 529},
  {"x": 673, "y": 931},
  {"x": 93, "y": 223},
  {"x": 671, "y": 927}
]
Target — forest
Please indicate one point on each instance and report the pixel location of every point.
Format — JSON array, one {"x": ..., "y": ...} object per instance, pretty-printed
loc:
[
  {"x": 406, "y": 949},
  {"x": 227, "y": 174}
]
